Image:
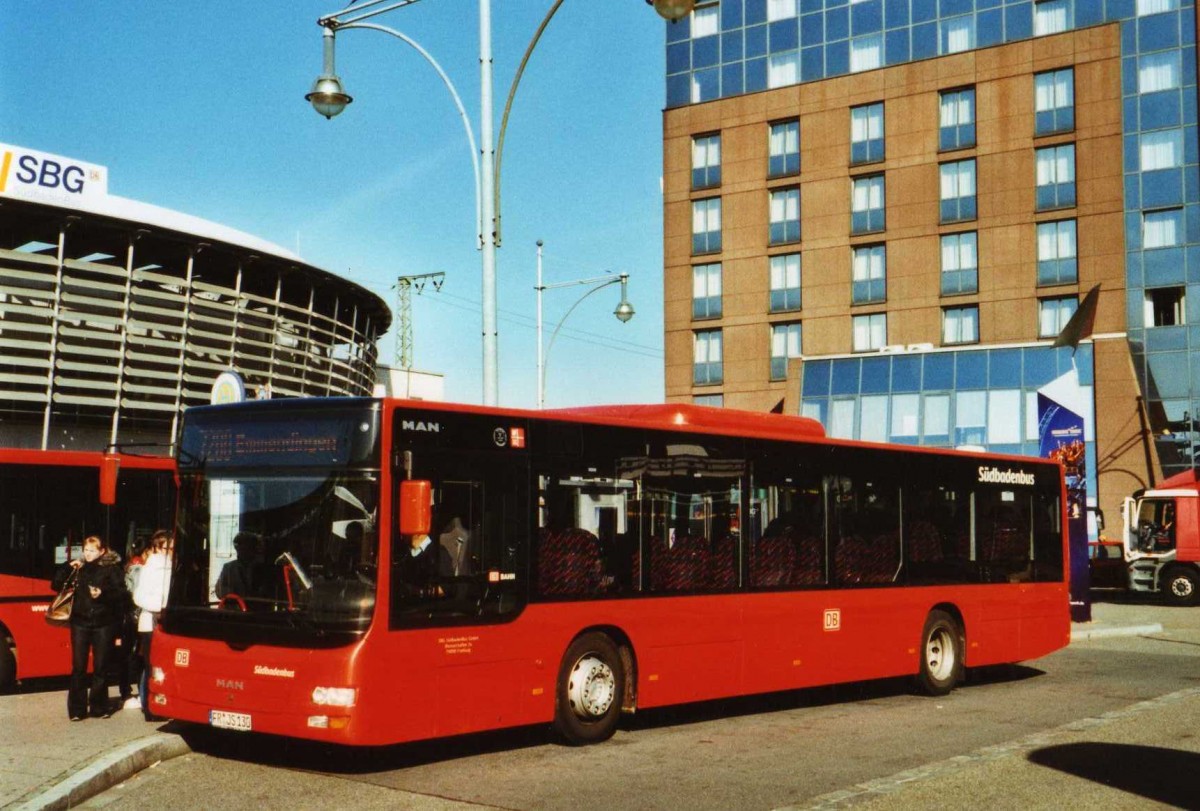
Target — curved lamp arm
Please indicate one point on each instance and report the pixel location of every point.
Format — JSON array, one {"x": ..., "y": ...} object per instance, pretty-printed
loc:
[
  {"x": 462, "y": 112},
  {"x": 546, "y": 355}
]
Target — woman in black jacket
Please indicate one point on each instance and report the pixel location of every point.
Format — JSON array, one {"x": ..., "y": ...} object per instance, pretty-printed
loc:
[{"x": 100, "y": 597}]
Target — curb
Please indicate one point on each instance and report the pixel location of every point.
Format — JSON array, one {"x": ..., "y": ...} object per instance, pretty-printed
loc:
[
  {"x": 1084, "y": 634},
  {"x": 103, "y": 773}
]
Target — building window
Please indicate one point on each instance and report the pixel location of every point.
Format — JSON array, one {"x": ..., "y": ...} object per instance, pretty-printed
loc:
[
  {"x": 785, "y": 216},
  {"x": 960, "y": 325},
  {"x": 1165, "y": 307},
  {"x": 957, "y": 34},
  {"x": 867, "y": 204},
  {"x": 1145, "y": 7},
  {"x": 706, "y": 291},
  {"x": 1054, "y": 101},
  {"x": 780, "y": 9},
  {"x": 869, "y": 275},
  {"x": 958, "y": 191},
  {"x": 1159, "y": 71},
  {"x": 783, "y": 69},
  {"x": 1052, "y": 17},
  {"x": 960, "y": 263},
  {"x": 866, "y": 133},
  {"x": 1054, "y": 313},
  {"x": 957, "y": 119},
  {"x": 1056, "y": 177},
  {"x": 706, "y": 225},
  {"x": 785, "y": 282},
  {"x": 706, "y": 21},
  {"x": 1161, "y": 150},
  {"x": 784, "y": 148},
  {"x": 1162, "y": 229},
  {"x": 706, "y": 365},
  {"x": 785, "y": 345},
  {"x": 710, "y": 400},
  {"x": 706, "y": 161},
  {"x": 870, "y": 332},
  {"x": 1056, "y": 252},
  {"x": 866, "y": 53}
]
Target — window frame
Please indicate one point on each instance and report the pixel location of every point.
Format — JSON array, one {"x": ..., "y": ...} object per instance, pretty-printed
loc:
[
  {"x": 709, "y": 311},
  {"x": 708, "y": 175},
  {"x": 959, "y": 310}
]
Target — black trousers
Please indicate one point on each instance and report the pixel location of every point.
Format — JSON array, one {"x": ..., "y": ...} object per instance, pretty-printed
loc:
[
  {"x": 85, "y": 693},
  {"x": 127, "y": 657}
]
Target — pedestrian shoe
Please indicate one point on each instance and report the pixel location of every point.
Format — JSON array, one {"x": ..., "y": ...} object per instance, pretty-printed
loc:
[
  {"x": 132, "y": 703},
  {"x": 76, "y": 717}
]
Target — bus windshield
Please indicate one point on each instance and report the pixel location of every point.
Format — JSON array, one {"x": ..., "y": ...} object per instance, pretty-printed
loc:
[
  {"x": 276, "y": 535},
  {"x": 296, "y": 550}
]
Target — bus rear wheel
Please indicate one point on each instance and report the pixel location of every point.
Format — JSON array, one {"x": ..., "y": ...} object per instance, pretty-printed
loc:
[
  {"x": 591, "y": 683},
  {"x": 941, "y": 654},
  {"x": 1180, "y": 586}
]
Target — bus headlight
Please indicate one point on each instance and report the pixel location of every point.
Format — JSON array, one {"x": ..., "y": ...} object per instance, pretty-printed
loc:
[
  {"x": 157, "y": 675},
  {"x": 334, "y": 696}
]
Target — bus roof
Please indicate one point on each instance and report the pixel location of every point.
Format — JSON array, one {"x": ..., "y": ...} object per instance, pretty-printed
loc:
[{"x": 677, "y": 415}]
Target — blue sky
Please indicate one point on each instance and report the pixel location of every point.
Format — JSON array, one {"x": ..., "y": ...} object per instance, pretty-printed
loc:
[{"x": 198, "y": 107}]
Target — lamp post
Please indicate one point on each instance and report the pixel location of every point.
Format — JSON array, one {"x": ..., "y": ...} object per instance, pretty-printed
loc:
[
  {"x": 623, "y": 312},
  {"x": 329, "y": 98}
]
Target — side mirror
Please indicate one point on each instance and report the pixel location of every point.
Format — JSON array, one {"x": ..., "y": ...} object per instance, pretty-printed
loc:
[
  {"x": 110, "y": 466},
  {"x": 414, "y": 507}
]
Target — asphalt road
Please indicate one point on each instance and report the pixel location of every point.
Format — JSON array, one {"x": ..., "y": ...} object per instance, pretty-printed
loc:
[{"x": 1018, "y": 737}]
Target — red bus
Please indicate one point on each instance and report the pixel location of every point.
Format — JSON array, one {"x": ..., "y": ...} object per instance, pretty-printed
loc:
[
  {"x": 595, "y": 561},
  {"x": 49, "y": 502}
]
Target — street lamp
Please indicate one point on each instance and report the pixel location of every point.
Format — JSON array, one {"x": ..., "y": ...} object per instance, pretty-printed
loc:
[
  {"x": 329, "y": 98},
  {"x": 623, "y": 312}
]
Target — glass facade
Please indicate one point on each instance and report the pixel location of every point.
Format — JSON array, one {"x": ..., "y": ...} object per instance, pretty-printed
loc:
[
  {"x": 975, "y": 396},
  {"x": 726, "y": 50}
]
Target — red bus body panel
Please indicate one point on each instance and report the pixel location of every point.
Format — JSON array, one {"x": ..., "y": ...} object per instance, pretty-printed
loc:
[
  {"x": 43, "y": 649},
  {"x": 419, "y": 684}
]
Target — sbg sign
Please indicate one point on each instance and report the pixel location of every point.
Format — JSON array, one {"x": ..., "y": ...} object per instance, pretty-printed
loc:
[{"x": 31, "y": 175}]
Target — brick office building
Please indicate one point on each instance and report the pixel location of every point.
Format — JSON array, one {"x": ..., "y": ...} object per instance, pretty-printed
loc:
[{"x": 880, "y": 214}]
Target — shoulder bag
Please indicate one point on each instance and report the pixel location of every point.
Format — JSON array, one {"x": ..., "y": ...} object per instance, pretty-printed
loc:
[{"x": 59, "y": 612}]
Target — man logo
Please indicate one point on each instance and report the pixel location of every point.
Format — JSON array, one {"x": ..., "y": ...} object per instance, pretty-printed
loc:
[
  {"x": 417, "y": 425},
  {"x": 500, "y": 437}
]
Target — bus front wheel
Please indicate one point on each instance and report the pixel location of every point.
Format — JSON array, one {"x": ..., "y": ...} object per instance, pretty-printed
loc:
[
  {"x": 591, "y": 682},
  {"x": 941, "y": 654},
  {"x": 1180, "y": 586}
]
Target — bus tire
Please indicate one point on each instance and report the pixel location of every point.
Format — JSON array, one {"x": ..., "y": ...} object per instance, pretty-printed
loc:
[
  {"x": 1180, "y": 586},
  {"x": 591, "y": 682},
  {"x": 941, "y": 664},
  {"x": 8, "y": 666}
]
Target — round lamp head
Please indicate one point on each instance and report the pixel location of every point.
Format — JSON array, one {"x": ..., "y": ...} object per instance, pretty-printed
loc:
[
  {"x": 624, "y": 311},
  {"x": 327, "y": 96},
  {"x": 673, "y": 10}
]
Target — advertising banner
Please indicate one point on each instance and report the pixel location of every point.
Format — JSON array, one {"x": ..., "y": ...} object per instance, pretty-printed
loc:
[
  {"x": 1061, "y": 433},
  {"x": 40, "y": 177}
]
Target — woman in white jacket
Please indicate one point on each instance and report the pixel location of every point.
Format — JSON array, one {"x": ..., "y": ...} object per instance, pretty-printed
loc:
[{"x": 154, "y": 583}]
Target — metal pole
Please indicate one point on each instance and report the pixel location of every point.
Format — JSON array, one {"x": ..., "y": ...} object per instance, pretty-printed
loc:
[
  {"x": 541, "y": 380},
  {"x": 491, "y": 383}
]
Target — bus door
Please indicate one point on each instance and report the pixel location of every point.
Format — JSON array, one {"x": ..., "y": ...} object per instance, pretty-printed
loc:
[{"x": 455, "y": 590}]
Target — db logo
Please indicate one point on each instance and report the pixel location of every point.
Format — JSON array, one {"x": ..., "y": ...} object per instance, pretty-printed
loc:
[
  {"x": 833, "y": 619},
  {"x": 182, "y": 655}
]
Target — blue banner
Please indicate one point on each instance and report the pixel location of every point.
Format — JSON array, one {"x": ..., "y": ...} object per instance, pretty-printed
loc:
[{"x": 1060, "y": 431}]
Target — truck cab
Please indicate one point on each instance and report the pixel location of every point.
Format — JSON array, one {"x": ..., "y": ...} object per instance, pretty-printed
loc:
[{"x": 1162, "y": 540}]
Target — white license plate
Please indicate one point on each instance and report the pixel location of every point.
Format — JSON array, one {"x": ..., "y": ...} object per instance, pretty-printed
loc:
[{"x": 229, "y": 720}]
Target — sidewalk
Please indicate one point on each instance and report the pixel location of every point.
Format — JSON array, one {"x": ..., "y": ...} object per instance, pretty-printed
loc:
[{"x": 48, "y": 762}]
